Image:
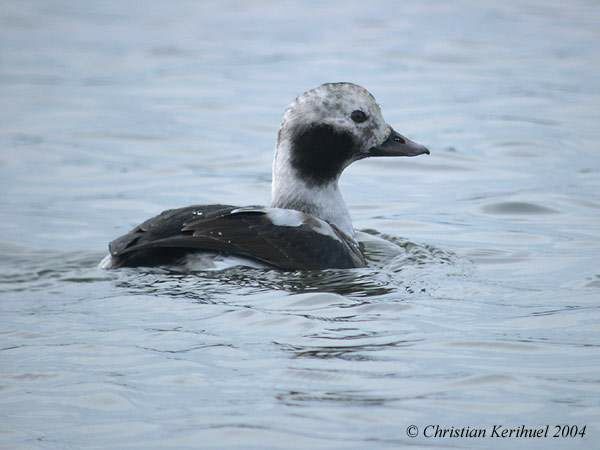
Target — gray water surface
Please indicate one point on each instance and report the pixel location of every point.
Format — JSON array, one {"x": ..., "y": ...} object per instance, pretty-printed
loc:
[{"x": 487, "y": 312}]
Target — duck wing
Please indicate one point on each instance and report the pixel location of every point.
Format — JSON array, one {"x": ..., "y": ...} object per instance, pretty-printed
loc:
[{"x": 282, "y": 238}]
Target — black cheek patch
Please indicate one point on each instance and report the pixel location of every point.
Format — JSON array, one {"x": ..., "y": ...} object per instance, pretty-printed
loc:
[{"x": 320, "y": 152}]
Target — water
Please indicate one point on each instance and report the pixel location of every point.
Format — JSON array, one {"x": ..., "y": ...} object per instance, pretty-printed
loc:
[{"x": 487, "y": 312}]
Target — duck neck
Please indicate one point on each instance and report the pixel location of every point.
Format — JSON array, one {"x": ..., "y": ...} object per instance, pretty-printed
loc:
[{"x": 324, "y": 201}]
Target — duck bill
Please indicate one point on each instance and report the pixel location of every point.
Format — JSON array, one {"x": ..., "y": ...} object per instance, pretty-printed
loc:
[{"x": 398, "y": 145}]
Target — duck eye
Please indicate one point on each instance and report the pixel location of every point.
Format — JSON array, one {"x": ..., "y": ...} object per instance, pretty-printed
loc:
[{"x": 358, "y": 116}]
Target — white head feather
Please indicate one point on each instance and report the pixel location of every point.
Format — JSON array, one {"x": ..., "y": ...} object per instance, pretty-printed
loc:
[{"x": 330, "y": 105}]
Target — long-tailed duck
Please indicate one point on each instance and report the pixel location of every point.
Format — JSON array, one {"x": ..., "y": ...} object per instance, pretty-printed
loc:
[{"x": 307, "y": 225}]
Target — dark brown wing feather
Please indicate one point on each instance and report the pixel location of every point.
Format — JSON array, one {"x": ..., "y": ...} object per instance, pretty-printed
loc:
[{"x": 244, "y": 232}]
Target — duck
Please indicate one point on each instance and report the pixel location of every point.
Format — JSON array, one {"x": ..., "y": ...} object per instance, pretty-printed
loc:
[{"x": 308, "y": 225}]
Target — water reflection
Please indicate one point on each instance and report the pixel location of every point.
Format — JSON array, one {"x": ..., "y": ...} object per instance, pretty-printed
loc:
[
  {"x": 203, "y": 286},
  {"x": 361, "y": 352},
  {"x": 296, "y": 398}
]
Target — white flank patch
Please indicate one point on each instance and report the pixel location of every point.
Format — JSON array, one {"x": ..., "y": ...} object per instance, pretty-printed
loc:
[
  {"x": 106, "y": 262},
  {"x": 285, "y": 217},
  {"x": 214, "y": 261}
]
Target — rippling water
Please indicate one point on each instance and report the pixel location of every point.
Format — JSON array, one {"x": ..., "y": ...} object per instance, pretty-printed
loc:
[{"x": 483, "y": 308}]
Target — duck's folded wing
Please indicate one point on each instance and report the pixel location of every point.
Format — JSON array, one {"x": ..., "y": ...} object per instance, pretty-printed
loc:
[
  {"x": 166, "y": 225},
  {"x": 285, "y": 239}
]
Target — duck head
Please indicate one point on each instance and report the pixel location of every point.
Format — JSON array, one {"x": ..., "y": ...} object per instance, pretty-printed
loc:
[{"x": 324, "y": 131}]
